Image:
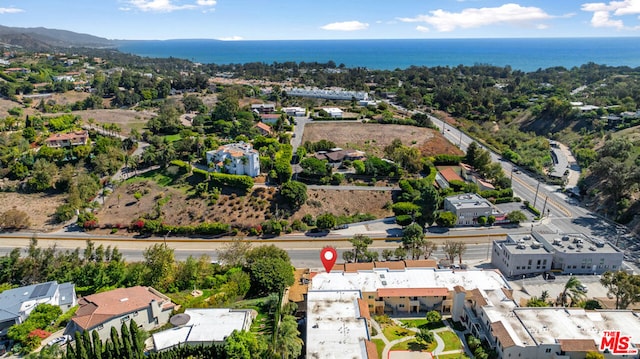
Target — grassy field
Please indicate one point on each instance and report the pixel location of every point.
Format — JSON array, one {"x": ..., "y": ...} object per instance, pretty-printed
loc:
[
  {"x": 414, "y": 346},
  {"x": 394, "y": 332},
  {"x": 453, "y": 356},
  {"x": 421, "y": 323},
  {"x": 379, "y": 346},
  {"x": 451, "y": 340}
]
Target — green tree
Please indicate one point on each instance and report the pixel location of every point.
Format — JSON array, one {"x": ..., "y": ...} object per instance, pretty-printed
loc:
[
  {"x": 326, "y": 221},
  {"x": 433, "y": 316},
  {"x": 516, "y": 216},
  {"x": 413, "y": 239},
  {"x": 295, "y": 193},
  {"x": 447, "y": 219},
  {"x": 270, "y": 275},
  {"x": 360, "y": 244},
  {"x": 288, "y": 342},
  {"x": 425, "y": 336},
  {"x": 160, "y": 266},
  {"x": 243, "y": 345},
  {"x": 42, "y": 175},
  {"x": 572, "y": 292},
  {"x": 624, "y": 287}
]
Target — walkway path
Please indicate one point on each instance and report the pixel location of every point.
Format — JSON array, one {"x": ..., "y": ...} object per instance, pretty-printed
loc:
[{"x": 439, "y": 350}]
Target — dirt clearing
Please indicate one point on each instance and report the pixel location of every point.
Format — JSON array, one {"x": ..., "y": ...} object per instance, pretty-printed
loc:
[{"x": 373, "y": 138}]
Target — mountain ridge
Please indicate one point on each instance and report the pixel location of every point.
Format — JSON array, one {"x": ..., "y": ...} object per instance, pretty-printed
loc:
[{"x": 41, "y": 38}]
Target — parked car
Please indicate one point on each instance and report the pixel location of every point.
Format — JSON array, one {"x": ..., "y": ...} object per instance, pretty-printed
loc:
[
  {"x": 549, "y": 276},
  {"x": 582, "y": 288},
  {"x": 60, "y": 340}
]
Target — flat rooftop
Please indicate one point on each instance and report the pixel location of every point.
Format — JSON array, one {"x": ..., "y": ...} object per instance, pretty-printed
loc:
[
  {"x": 547, "y": 325},
  {"x": 574, "y": 243},
  {"x": 469, "y": 200},
  {"x": 523, "y": 244},
  {"x": 372, "y": 280},
  {"x": 334, "y": 327},
  {"x": 204, "y": 325}
]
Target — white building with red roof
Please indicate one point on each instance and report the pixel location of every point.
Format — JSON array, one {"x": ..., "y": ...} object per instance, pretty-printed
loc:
[
  {"x": 236, "y": 158},
  {"x": 76, "y": 138}
]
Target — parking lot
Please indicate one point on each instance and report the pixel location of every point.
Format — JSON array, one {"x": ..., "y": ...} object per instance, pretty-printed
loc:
[{"x": 533, "y": 287}]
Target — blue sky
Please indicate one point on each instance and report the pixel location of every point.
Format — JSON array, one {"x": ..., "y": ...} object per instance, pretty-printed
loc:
[{"x": 326, "y": 19}]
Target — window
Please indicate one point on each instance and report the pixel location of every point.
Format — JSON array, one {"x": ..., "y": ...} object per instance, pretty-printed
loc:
[
  {"x": 400, "y": 305},
  {"x": 370, "y": 297},
  {"x": 124, "y": 319},
  {"x": 548, "y": 350},
  {"x": 100, "y": 327},
  {"x": 135, "y": 314}
]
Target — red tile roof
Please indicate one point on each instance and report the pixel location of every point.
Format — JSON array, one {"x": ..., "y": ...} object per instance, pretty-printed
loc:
[
  {"x": 354, "y": 267},
  {"x": 421, "y": 263},
  {"x": 578, "y": 345},
  {"x": 372, "y": 350},
  {"x": 450, "y": 175},
  {"x": 264, "y": 127},
  {"x": 500, "y": 331},
  {"x": 412, "y": 292},
  {"x": 98, "y": 308},
  {"x": 363, "y": 306},
  {"x": 389, "y": 264}
]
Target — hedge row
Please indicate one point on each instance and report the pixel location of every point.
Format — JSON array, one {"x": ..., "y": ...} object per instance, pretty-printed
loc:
[
  {"x": 157, "y": 227},
  {"x": 220, "y": 180}
]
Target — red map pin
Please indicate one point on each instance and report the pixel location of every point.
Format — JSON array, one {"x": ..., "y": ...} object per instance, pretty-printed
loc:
[{"x": 328, "y": 256}]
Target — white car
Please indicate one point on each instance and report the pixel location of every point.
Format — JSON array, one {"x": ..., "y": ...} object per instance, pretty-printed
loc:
[{"x": 60, "y": 340}]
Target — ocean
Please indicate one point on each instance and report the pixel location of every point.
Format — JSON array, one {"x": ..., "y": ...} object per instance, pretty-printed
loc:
[{"x": 521, "y": 54}]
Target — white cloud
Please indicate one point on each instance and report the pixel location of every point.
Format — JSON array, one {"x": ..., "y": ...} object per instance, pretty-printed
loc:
[
  {"x": 166, "y": 5},
  {"x": 346, "y": 26},
  {"x": 476, "y": 17},
  {"x": 422, "y": 28},
  {"x": 10, "y": 10},
  {"x": 231, "y": 38},
  {"x": 603, "y": 12}
]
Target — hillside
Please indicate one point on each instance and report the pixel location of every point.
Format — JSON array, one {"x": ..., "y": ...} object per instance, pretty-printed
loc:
[{"x": 40, "y": 38}]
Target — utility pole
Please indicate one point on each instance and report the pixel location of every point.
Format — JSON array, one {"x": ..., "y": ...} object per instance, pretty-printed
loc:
[
  {"x": 545, "y": 205},
  {"x": 535, "y": 199}
]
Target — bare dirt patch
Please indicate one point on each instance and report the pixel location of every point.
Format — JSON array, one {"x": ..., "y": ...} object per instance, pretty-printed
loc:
[
  {"x": 176, "y": 207},
  {"x": 125, "y": 119},
  {"x": 40, "y": 207},
  {"x": 345, "y": 203},
  {"x": 374, "y": 137}
]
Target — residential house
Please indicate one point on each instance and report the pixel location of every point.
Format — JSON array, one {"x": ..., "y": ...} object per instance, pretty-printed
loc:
[
  {"x": 203, "y": 327},
  {"x": 335, "y": 156},
  {"x": 446, "y": 176},
  {"x": 102, "y": 311},
  {"x": 470, "y": 175},
  {"x": 264, "y": 129},
  {"x": 263, "y": 108},
  {"x": 17, "y": 304},
  {"x": 333, "y": 112},
  {"x": 294, "y": 111},
  {"x": 236, "y": 158},
  {"x": 76, "y": 138},
  {"x": 468, "y": 207}
]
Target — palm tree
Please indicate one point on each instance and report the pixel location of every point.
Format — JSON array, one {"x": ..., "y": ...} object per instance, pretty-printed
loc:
[{"x": 571, "y": 291}]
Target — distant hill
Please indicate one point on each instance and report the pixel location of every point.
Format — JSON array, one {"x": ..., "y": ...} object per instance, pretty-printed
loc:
[{"x": 42, "y": 39}]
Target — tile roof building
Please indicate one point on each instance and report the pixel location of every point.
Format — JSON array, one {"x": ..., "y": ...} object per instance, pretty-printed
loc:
[
  {"x": 76, "y": 138},
  {"x": 101, "y": 311},
  {"x": 17, "y": 304},
  {"x": 481, "y": 300}
]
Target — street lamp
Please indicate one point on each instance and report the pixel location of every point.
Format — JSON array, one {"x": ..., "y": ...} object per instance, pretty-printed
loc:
[{"x": 535, "y": 198}]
